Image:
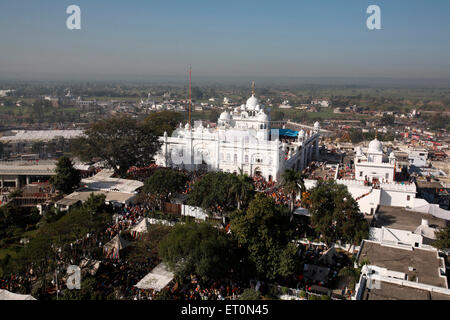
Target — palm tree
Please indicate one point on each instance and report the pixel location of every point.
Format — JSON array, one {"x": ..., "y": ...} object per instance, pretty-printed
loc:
[
  {"x": 242, "y": 188},
  {"x": 293, "y": 182}
]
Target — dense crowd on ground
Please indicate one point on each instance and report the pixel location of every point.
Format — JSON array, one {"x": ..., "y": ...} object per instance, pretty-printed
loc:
[{"x": 194, "y": 290}]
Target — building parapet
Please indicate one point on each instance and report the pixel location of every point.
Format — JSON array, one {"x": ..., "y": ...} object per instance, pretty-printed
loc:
[{"x": 399, "y": 187}]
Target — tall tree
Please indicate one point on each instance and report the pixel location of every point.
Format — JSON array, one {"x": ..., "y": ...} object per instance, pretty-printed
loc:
[
  {"x": 335, "y": 214},
  {"x": 214, "y": 115},
  {"x": 198, "y": 249},
  {"x": 293, "y": 183},
  {"x": 442, "y": 239},
  {"x": 164, "y": 184},
  {"x": 265, "y": 231},
  {"x": 164, "y": 121},
  {"x": 121, "y": 141},
  {"x": 213, "y": 192},
  {"x": 242, "y": 188},
  {"x": 67, "y": 177}
]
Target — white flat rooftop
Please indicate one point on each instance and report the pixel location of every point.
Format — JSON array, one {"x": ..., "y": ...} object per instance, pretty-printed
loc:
[
  {"x": 39, "y": 135},
  {"x": 104, "y": 181},
  {"x": 27, "y": 168},
  {"x": 111, "y": 196},
  {"x": 157, "y": 280}
]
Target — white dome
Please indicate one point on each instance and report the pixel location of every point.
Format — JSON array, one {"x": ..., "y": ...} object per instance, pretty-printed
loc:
[
  {"x": 225, "y": 116},
  {"x": 262, "y": 117},
  {"x": 317, "y": 124},
  {"x": 392, "y": 155},
  {"x": 252, "y": 102},
  {"x": 375, "y": 146}
]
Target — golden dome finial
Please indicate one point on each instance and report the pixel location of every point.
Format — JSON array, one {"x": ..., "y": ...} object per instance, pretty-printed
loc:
[{"x": 253, "y": 88}]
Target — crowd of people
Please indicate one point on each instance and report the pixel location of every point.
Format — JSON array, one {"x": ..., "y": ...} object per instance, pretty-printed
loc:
[
  {"x": 218, "y": 290},
  {"x": 261, "y": 184}
]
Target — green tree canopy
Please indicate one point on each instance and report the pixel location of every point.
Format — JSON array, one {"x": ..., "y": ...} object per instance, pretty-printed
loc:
[
  {"x": 442, "y": 239},
  {"x": 121, "y": 142},
  {"x": 213, "y": 192},
  {"x": 214, "y": 115},
  {"x": 335, "y": 214},
  {"x": 164, "y": 121},
  {"x": 265, "y": 231},
  {"x": 67, "y": 177},
  {"x": 387, "y": 120},
  {"x": 243, "y": 189},
  {"x": 250, "y": 294},
  {"x": 16, "y": 220},
  {"x": 276, "y": 115},
  {"x": 293, "y": 183},
  {"x": 40, "y": 253},
  {"x": 198, "y": 249},
  {"x": 165, "y": 183}
]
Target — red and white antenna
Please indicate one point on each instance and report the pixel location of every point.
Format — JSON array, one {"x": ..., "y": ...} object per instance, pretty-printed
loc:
[{"x": 190, "y": 94}]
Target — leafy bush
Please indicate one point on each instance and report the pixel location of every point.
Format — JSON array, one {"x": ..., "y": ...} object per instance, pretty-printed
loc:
[{"x": 250, "y": 294}]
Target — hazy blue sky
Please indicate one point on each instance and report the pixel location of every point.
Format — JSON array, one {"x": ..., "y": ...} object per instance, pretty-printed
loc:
[{"x": 246, "y": 38}]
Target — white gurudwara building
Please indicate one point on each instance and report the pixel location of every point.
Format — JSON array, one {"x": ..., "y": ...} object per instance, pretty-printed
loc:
[
  {"x": 242, "y": 141},
  {"x": 373, "y": 165}
]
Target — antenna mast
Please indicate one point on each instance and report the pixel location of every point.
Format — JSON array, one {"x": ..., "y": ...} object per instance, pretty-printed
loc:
[{"x": 190, "y": 94}]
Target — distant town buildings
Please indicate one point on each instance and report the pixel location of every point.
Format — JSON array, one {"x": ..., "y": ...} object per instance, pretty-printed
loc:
[
  {"x": 285, "y": 105},
  {"x": 320, "y": 103}
]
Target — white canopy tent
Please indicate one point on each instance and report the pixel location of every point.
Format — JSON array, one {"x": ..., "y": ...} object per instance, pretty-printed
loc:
[
  {"x": 328, "y": 256},
  {"x": 142, "y": 227},
  {"x": 157, "y": 280},
  {"x": 6, "y": 295},
  {"x": 115, "y": 245}
]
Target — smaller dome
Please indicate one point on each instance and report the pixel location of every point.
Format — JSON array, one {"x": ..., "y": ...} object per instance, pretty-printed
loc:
[
  {"x": 225, "y": 116},
  {"x": 317, "y": 124},
  {"x": 262, "y": 117},
  {"x": 375, "y": 146},
  {"x": 392, "y": 155}
]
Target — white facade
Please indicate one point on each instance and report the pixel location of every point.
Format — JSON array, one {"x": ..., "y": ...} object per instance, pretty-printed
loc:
[
  {"x": 373, "y": 165},
  {"x": 385, "y": 194},
  {"x": 418, "y": 158},
  {"x": 241, "y": 141}
]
